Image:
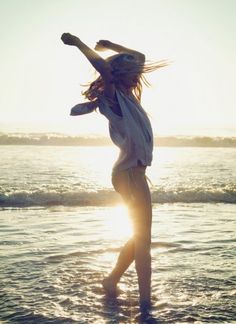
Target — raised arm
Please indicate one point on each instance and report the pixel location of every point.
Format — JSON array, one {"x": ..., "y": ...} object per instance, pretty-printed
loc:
[
  {"x": 96, "y": 60},
  {"x": 102, "y": 66},
  {"x": 103, "y": 45}
]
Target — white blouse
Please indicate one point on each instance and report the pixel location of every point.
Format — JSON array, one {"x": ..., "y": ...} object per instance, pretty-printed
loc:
[{"x": 131, "y": 132}]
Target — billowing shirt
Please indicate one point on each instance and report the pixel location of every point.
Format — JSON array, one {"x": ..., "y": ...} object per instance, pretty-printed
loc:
[{"x": 131, "y": 132}]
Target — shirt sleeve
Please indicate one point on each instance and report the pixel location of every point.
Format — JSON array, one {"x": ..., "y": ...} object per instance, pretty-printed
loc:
[{"x": 83, "y": 108}]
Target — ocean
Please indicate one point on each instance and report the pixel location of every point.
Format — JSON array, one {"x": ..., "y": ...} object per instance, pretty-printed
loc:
[{"x": 62, "y": 226}]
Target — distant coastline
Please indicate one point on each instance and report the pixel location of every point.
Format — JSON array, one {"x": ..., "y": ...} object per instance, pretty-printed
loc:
[{"x": 55, "y": 139}]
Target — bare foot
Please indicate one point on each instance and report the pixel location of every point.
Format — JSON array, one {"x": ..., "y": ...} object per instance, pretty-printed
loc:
[{"x": 110, "y": 287}]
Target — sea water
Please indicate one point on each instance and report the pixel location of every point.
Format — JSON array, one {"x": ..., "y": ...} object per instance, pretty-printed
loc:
[
  {"x": 55, "y": 175},
  {"x": 62, "y": 225}
]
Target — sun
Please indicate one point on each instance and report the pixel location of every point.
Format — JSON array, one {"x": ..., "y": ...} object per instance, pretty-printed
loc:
[{"x": 118, "y": 223}]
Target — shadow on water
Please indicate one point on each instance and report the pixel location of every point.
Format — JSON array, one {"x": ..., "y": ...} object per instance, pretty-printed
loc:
[
  {"x": 117, "y": 309},
  {"x": 147, "y": 318}
]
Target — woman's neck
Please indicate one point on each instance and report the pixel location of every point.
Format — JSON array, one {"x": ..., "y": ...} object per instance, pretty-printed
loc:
[{"x": 127, "y": 91}]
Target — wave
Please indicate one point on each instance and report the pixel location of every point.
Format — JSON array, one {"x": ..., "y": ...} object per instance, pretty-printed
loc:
[
  {"x": 54, "y": 139},
  {"x": 109, "y": 197}
]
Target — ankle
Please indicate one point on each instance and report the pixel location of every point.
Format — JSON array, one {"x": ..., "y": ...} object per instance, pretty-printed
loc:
[
  {"x": 145, "y": 305},
  {"x": 110, "y": 287}
]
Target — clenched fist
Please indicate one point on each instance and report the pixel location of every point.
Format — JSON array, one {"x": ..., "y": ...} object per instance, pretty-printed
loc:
[
  {"x": 102, "y": 45},
  {"x": 69, "y": 39}
]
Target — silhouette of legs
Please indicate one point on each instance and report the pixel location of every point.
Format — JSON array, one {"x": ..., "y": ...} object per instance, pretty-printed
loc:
[{"x": 133, "y": 187}]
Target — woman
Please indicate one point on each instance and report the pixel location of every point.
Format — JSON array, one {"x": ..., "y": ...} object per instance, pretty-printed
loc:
[{"x": 117, "y": 93}]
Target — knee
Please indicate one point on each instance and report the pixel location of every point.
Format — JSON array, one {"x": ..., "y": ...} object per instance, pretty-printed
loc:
[
  {"x": 143, "y": 241},
  {"x": 142, "y": 232}
]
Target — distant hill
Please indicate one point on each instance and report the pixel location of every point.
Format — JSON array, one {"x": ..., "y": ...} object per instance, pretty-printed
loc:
[{"x": 54, "y": 139}]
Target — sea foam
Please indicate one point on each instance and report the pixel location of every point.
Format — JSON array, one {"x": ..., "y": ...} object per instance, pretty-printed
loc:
[{"x": 109, "y": 197}]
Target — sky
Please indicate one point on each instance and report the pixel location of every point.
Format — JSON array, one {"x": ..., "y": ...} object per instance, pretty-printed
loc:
[{"x": 41, "y": 78}]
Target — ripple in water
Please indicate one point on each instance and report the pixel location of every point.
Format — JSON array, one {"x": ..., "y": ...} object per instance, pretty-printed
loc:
[{"x": 51, "y": 271}]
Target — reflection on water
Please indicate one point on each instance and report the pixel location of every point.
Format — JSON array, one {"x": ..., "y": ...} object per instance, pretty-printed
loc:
[{"x": 53, "y": 261}]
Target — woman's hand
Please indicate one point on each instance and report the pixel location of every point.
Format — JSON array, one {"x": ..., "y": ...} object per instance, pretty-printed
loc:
[
  {"x": 69, "y": 39},
  {"x": 102, "y": 45}
]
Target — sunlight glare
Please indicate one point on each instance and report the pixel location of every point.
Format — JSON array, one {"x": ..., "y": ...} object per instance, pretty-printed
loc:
[{"x": 118, "y": 223}]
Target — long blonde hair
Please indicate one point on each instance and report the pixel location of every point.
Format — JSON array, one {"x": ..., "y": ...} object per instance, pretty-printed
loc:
[{"x": 122, "y": 65}]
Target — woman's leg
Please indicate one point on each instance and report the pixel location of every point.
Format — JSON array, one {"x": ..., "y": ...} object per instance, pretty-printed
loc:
[
  {"x": 121, "y": 183},
  {"x": 133, "y": 187},
  {"x": 126, "y": 257},
  {"x": 142, "y": 221}
]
